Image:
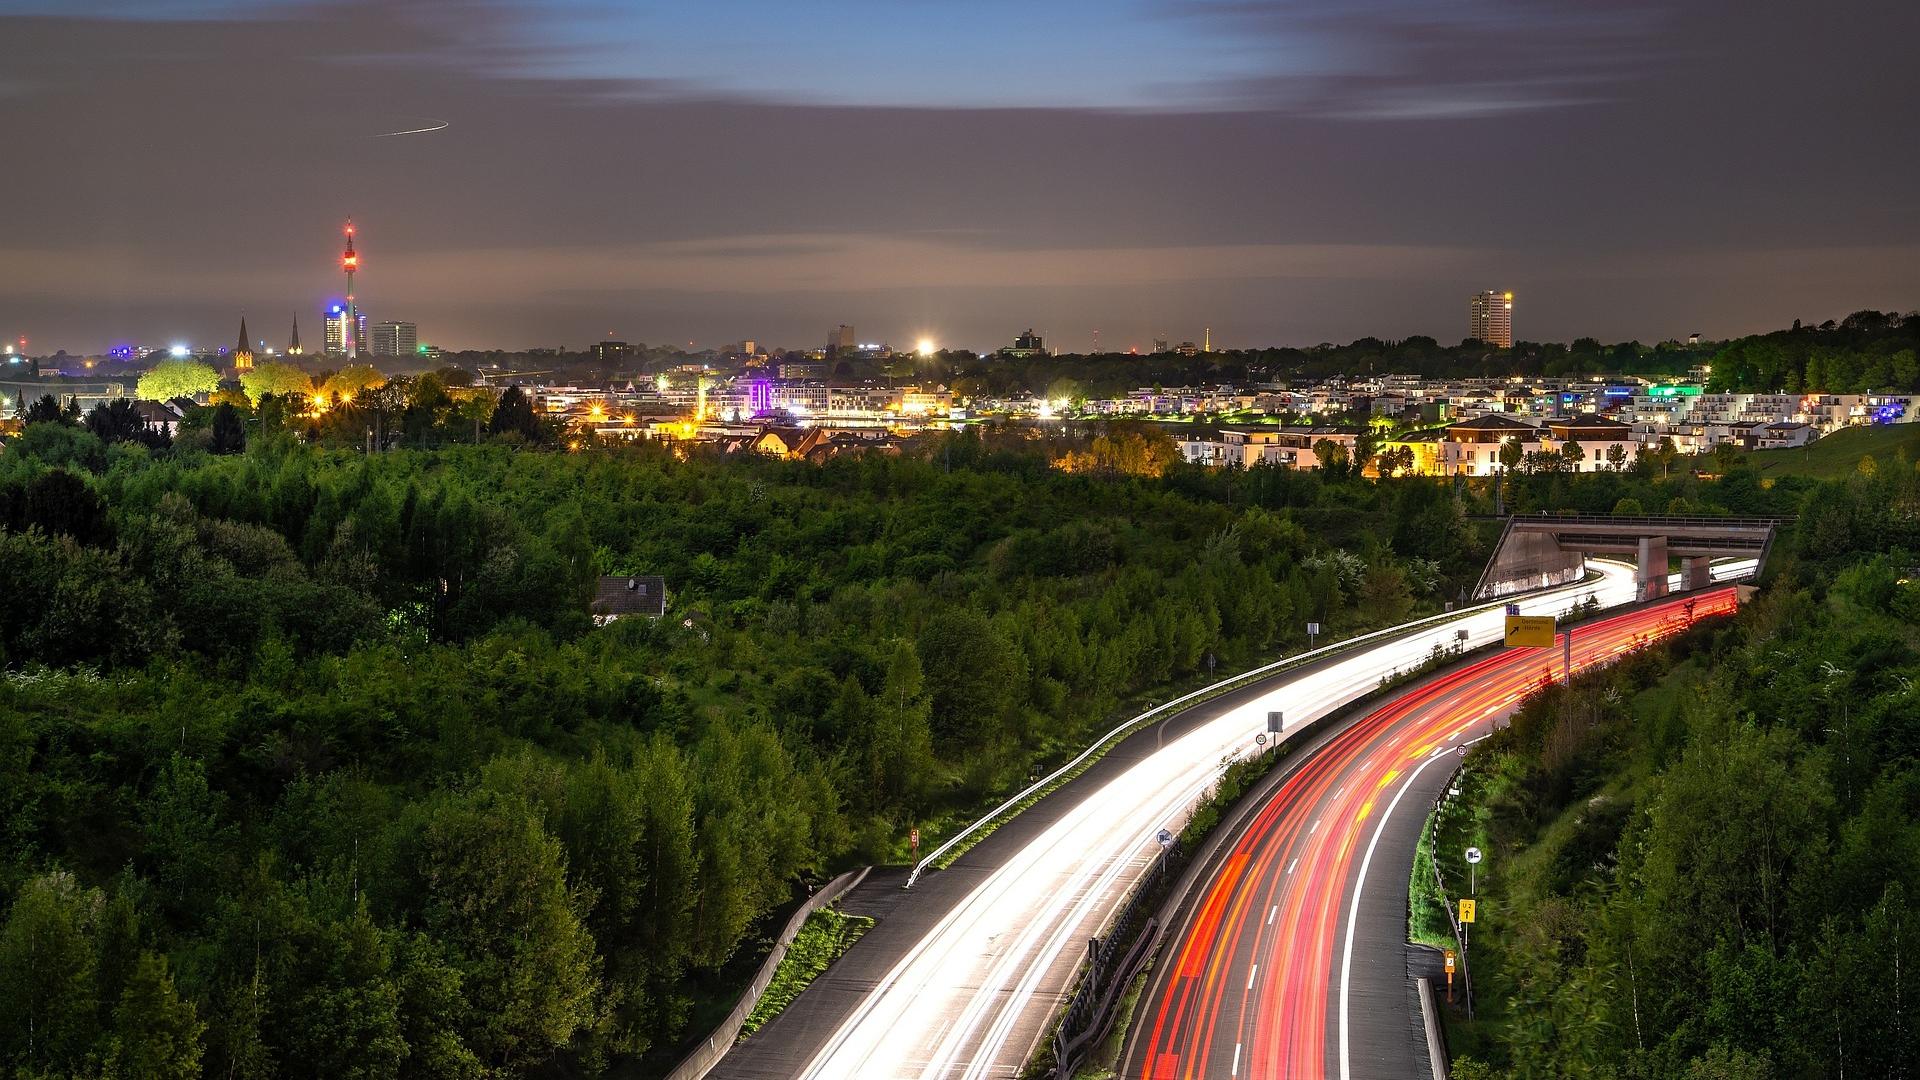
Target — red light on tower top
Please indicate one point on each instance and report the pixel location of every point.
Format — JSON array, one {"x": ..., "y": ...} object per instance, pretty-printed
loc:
[{"x": 350, "y": 261}]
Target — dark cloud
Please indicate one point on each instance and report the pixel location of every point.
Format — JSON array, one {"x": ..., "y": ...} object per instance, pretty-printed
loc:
[
  {"x": 1397, "y": 59},
  {"x": 1739, "y": 167}
]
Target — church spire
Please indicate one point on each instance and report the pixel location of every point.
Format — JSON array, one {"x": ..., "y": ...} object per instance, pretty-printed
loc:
[
  {"x": 243, "y": 352},
  {"x": 293, "y": 346}
]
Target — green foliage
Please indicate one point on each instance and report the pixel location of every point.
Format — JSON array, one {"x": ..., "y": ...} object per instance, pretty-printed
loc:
[
  {"x": 276, "y": 377},
  {"x": 171, "y": 379},
  {"x": 823, "y": 938}
]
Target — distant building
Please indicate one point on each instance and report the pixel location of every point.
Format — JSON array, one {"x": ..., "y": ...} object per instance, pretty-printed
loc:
[
  {"x": 1160, "y": 346},
  {"x": 841, "y": 342},
  {"x": 1027, "y": 344},
  {"x": 1490, "y": 318},
  {"x": 336, "y": 330},
  {"x": 395, "y": 339},
  {"x": 612, "y": 352},
  {"x": 1187, "y": 348},
  {"x": 619, "y": 597},
  {"x": 293, "y": 343}
]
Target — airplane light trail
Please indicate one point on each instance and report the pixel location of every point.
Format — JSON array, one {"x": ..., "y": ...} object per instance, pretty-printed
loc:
[{"x": 438, "y": 125}]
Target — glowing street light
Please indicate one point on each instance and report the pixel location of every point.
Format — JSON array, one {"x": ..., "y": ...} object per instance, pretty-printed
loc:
[
  {"x": 177, "y": 351},
  {"x": 925, "y": 347}
]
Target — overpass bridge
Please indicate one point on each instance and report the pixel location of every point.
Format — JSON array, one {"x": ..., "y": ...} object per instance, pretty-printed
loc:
[{"x": 1537, "y": 550}]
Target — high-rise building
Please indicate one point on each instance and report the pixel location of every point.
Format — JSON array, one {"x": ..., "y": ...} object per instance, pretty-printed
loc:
[
  {"x": 395, "y": 339},
  {"x": 841, "y": 342},
  {"x": 612, "y": 352},
  {"x": 336, "y": 331},
  {"x": 1490, "y": 318}
]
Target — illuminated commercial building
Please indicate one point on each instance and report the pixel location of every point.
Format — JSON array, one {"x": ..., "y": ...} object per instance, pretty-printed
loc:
[
  {"x": 336, "y": 323},
  {"x": 395, "y": 339},
  {"x": 1490, "y": 318}
]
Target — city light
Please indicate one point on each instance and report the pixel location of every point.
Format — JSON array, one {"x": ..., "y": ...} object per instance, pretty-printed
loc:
[
  {"x": 177, "y": 351},
  {"x": 925, "y": 347}
]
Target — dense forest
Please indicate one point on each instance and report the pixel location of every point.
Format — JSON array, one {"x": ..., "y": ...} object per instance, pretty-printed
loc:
[
  {"x": 313, "y": 764},
  {"x": 1705, "y": 863}
]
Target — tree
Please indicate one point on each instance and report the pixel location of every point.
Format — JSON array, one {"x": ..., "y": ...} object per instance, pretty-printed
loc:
[
  {"x": 45, "y": 410},
  {"x": 171, "y": 379},
  {"x": 514, "y": 414},
  {"x": 1617, "y": 457},
  {"x": 60, "y": 503},
  {"x": 278, "y": 378},
  {"x": 48, "y": 995},
  {"x": 491, "y": 885},
  {"x": 228, "y": 432},
  {"x": 1332, "y": 458},
  {"x": 350, "y": 381},
  {"x": 1512, "y": 454},
  {"x": 156, "y": 1033},
  {"x": 971, "y": 674},
  {"x": 120, "y": 421}
]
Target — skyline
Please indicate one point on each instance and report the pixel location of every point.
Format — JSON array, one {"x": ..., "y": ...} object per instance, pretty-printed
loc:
[{"x": 1636, "y": 173}]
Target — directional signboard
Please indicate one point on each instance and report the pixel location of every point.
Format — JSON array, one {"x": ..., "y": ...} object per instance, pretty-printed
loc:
[
  {"x": 1530, "y": 631},
  {"x": 1466, "y": 911}
]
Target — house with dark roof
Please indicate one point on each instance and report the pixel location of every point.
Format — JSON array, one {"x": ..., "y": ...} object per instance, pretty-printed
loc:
[{"x": 619, "y": 597}]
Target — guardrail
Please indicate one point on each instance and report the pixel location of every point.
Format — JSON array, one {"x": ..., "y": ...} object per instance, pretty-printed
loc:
[
  {"x": 708, "y": 1054},
  {"x": 1232, "y": 682}
]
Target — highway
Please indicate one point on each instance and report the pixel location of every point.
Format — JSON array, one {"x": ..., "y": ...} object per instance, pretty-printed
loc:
[
  {"x": 971, "y": 997},
  {"x": 1290, "y": 957}
]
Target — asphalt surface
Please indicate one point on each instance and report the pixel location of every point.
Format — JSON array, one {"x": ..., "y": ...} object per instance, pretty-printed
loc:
[
  {"x": 959, "y": 976},
  {"x": 1290, "y": 959}
]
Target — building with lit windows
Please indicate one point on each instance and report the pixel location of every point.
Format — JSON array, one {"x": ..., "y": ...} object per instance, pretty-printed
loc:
[
  {"x": 336, "y": 327},
  {"x": 395, "y": 339},
  {"x": 1490, "y": 317}
]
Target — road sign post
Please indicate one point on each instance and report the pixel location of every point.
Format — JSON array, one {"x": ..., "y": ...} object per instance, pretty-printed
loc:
[
  {"x": 1449, "y": 976},
  {"x": 1473, "y": 871},
  {"x": 1313, "y": 631},
  {"x": 913, "y": 839}
]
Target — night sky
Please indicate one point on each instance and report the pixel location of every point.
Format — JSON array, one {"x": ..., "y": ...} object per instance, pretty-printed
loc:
[{"x": 1285, "y": 172}]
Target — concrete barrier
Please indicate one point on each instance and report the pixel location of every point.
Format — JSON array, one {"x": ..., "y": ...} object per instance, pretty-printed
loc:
[{"x": 708, "y": 1054}]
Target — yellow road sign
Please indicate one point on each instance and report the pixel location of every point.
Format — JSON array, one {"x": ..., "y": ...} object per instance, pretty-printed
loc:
[
  {"x": 1530, "y": 631},
  {"x": 1466, "y": 911}
]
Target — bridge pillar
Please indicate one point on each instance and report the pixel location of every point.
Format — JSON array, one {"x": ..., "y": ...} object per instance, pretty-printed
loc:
[
  {"x": 1694, "y": 573},
  {"x": 1651, "y": 572}
]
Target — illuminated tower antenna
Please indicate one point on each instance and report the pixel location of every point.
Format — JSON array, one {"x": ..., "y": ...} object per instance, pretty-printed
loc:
[{"x": 350, "y": 262}]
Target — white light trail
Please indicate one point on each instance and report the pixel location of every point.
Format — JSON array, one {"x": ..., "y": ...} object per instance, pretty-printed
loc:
[
  {"x": 972, "y": 998},
  {"x": 438, "y": 125}
]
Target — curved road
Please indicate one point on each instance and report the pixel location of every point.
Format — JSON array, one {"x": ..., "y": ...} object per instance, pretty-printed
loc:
[
  {"x": 972, "y": 997},
  {"x": 1292, "y": 960}
]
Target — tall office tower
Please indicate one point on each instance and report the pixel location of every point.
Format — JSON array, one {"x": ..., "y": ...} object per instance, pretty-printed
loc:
[
  {"x": 1490, "y": 318},
  {"x": 336, "y": 330},
  {"x": 841, "y": 341},
  {"x": 395, "y": 339}
]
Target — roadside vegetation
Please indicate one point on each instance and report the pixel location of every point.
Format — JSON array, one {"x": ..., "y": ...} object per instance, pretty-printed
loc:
[
  {"x": 1705, "y": 861},
  {"x": 825, "y": 937}
]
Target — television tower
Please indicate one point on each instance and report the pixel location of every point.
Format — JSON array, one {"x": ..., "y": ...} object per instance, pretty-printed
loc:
[{"x": 350, "y": 262}]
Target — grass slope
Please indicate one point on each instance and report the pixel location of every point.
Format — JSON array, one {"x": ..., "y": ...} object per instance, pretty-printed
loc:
[{"x": 1839, "y": 454}]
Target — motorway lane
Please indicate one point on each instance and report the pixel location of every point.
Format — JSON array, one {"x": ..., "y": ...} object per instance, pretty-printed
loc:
[
  {"x": 971, "y": 998},
  {"x": 1292, "y": 961}
]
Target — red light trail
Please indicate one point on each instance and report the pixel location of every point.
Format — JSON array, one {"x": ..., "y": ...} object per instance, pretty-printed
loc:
[{"x": 1253, "y": 984}]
